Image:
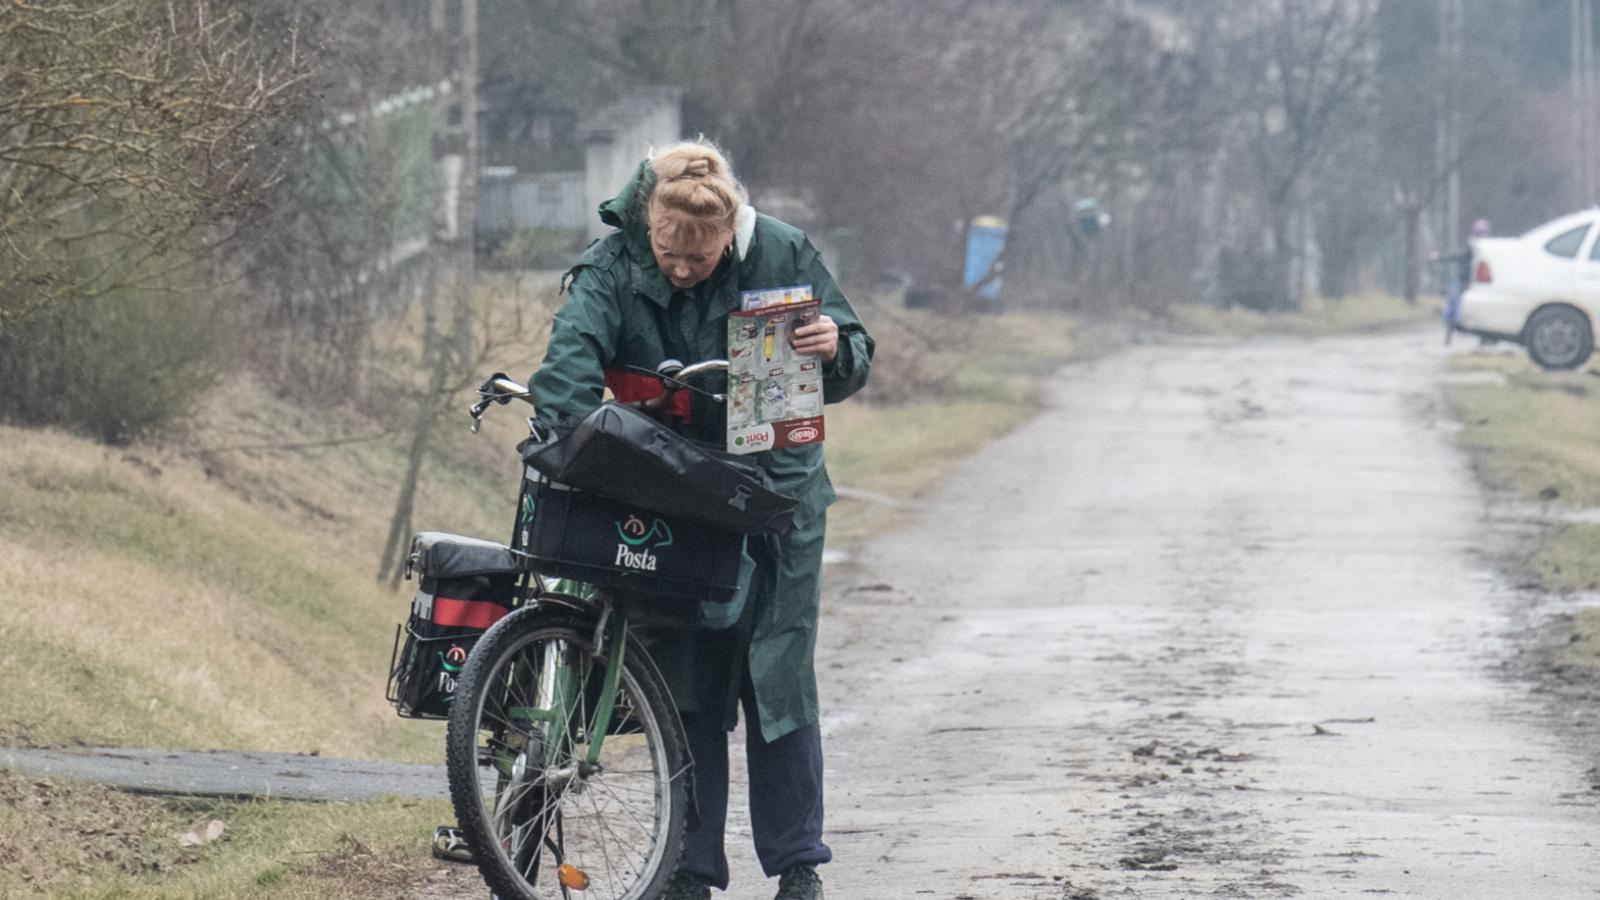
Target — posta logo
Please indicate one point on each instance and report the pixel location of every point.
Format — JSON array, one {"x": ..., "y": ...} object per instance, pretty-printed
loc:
[
  {"x": 450, "y": 663},
  {"x": 631, "y": 553},
  {"x": 803, "y": 435},
  {"x": 634, "y": 532}
]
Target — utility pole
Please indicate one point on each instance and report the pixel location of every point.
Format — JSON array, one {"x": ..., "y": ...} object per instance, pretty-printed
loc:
[
  {"x": 1450, "y": 35},
  {"x": 1583, "y": 95},
  {"x": 467, "y": 201},
  {"x": 455, "y": 153},
  {"x": 456, "y": 125}
]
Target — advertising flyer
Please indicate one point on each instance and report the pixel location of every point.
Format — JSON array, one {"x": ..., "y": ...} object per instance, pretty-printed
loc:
[{"x": 774, "y": 393}]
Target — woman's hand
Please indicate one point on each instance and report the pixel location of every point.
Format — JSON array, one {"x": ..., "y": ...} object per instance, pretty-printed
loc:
[{"x": 820, "y": 337}]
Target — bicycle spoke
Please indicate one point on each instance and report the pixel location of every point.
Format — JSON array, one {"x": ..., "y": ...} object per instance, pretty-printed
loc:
[
  {"x": 628, "y": 810},
  {"x": 506, "y": 804},
  {"x": 647, "y": 793},
  {"x": 550, "y": 805},
  {"x": 604, "y": 849},
  {"x": 546, "y": 819},
  {"x": 605, "y": 824}
]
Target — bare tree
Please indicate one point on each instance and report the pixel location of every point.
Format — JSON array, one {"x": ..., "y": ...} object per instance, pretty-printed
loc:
[
  {"x": 1417, "y": 89},
  {"x": 134, "y": 136},
  {"x": 126, "y": 126},
  {"x": 344, "y": 232},
  {"x": 446, "y": 355},
  {"x": 1298, "y": 67}
]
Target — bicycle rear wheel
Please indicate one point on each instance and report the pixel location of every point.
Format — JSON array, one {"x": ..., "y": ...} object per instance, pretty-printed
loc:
[{"x": 542, "y": 821}]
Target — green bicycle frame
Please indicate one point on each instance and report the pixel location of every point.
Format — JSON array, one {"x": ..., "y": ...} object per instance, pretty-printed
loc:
[
  {"x": 617, "y": 640},
  {"x": 561, "y": 691}
]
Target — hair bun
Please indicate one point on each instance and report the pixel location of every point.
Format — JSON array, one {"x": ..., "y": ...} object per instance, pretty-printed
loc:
[
  {"x": 686, "y": 168},
  {"x": 695, "y": 189}
]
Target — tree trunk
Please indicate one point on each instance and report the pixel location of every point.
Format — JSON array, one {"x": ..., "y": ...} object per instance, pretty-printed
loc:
[
  {"x": 442, "y": 353},
  {"x": 1282, "y": 261},
  {"x": 437, "y": 358},
  {"x": 1412, "y": 217}
]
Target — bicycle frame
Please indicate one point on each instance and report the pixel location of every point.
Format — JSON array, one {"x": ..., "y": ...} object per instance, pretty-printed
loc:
[{"x": 561, "y": 692}]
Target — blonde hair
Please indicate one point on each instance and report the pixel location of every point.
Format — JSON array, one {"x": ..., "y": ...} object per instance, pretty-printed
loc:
[{"x": 696, "y": 196}]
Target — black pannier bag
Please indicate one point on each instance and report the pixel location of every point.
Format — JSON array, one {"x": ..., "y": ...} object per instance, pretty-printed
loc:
[
  {"x": 464, "y": 586},
  {"x": 623, "y": 454},
  {"x": 627, "y": 549}
]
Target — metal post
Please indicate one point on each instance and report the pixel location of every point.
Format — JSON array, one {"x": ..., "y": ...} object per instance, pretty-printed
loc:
[
  {"x": 1586, "y": 106},
  {"x": 468, "y": 198},
  {"x": 1452, "y": 126},
  {"x": 1582, "y": 92}
]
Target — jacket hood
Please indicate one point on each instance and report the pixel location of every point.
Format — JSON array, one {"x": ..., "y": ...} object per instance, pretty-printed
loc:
[{"x": 625, "y": 212}]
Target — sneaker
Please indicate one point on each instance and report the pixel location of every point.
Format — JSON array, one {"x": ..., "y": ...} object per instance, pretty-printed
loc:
[
  {"x": 800, "y": 883},
  {"x": 450, "y": 844},
  {"x": 687, "y": 886}
]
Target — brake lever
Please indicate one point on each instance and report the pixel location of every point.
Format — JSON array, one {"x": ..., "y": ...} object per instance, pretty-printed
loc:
[{"x": 479, "y": 408}]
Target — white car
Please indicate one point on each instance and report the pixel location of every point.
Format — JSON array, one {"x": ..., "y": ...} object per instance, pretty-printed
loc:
[{"x": 1541, "y": 290}]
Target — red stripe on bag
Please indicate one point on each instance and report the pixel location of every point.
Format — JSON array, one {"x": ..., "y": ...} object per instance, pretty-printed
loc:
[{"x": 466, "y": 613}]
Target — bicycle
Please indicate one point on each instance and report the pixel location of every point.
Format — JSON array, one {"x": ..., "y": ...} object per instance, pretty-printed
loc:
[{"x": 568, "y": 765}]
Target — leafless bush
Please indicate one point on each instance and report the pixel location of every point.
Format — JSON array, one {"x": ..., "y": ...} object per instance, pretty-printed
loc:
[
  {"x": 133, "y": 120},
  {"x": 133, "y": 134}
]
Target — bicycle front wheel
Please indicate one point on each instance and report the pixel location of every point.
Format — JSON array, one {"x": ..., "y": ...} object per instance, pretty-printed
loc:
[{"x": 543, "y": 819}]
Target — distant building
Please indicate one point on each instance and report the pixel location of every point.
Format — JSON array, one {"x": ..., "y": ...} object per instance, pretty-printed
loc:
[
  {"x": 513, "y": 197},
  {"x": 616, "y": 137}
]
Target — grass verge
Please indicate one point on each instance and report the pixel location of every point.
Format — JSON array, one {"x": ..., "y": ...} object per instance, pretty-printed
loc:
[
  {"x": 1319, "y": 317},
  {"x": 1537, "y": 434},
  {"x": 73, "y": 841}
]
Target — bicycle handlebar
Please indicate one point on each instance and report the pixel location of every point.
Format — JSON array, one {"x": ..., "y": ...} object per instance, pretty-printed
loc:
[
  {"x": 671, "y": 370},
  {"x": 674, "y": 375},
  {"x": 497, "y": 388}
]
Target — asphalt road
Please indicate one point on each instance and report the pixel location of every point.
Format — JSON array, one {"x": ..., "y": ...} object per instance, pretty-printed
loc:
[{"x": 284, "y": 776}]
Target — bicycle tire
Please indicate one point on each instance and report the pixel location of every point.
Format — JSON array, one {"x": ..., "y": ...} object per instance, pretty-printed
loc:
[{"x": 622, "y": 823}]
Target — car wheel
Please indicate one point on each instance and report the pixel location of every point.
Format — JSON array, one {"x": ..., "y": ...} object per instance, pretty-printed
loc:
[{"x": 1559, "y": 337}]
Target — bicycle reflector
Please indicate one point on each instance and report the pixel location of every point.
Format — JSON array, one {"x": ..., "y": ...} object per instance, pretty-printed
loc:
[{"x": 572, "y": 877}]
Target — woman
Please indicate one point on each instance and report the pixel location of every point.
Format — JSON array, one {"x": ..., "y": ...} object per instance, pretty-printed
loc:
[{"x": 661, "y": 287}]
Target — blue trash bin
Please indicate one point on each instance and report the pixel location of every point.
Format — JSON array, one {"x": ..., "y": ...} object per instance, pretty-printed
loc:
[{"x": 986, "y": 241}]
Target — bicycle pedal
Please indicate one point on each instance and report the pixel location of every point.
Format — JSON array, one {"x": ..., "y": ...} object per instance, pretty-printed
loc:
[{"x": 450, "y": 845}]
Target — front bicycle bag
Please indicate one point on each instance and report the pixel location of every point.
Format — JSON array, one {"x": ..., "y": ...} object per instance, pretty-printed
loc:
[
  {"x": 464, "y": 585},
  {"x": 627, "y": 550},
  {"x": 622, "y": 454}
]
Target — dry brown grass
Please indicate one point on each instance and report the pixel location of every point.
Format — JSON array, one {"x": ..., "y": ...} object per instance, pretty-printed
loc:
[
  {"x": 219, "y": 590},
  {"x": 74, "y": 841},
  {"x": 54, "y": 835},
  {"x": 1320, "y": 317}
]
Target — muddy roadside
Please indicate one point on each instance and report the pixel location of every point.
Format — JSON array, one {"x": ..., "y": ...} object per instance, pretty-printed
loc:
[{"x": 1530, "y": 437}]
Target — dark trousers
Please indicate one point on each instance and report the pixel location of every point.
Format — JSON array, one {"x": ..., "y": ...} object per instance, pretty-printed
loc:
[{"x": 785, "y": 795}]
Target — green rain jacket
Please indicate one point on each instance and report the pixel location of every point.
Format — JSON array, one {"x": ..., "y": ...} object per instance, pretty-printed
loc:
[{"x": 622, "y": 311}]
